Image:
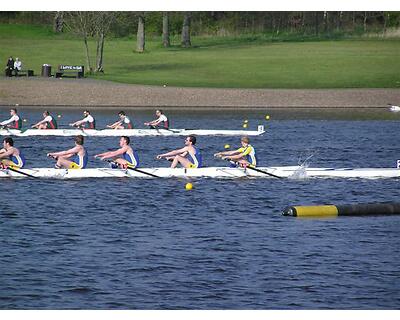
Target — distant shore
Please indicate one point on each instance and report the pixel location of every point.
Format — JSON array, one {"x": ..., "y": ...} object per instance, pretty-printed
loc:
[{"x": 37, "y": 91}]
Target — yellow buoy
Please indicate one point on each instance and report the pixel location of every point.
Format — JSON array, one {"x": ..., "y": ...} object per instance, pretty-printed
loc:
[
  {"x": 245, "y": 125},
  {"x": 24, "y": 120},
  {"x": 59, "y": 116},
  {"x": 267, "y": 117},
  {"x": 246, "y": 121},
  {"x": 189, "y": 186},
  {"x": 227, "y": 146}
]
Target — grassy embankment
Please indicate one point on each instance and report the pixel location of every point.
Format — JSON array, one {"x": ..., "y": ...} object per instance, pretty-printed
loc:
[{"x": 245, "y": 62}]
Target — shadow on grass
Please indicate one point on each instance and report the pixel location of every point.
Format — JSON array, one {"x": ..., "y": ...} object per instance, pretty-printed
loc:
[
  {"x": 155, "y": 66},
  {"x": 256, "y": 39}
]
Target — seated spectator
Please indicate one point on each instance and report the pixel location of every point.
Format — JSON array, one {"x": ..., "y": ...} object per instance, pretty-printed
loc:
[
  {"x": 17, "y": 66},
  {"x": 9, "y": 67}
]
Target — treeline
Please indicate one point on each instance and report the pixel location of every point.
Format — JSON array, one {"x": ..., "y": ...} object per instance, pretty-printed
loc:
[{"x": 218, "y": 23}]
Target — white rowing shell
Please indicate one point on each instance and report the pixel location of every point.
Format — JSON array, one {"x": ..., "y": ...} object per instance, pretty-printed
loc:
[
  {"x": 128, "y": 132},
  {"x": 291, "y": 172}
]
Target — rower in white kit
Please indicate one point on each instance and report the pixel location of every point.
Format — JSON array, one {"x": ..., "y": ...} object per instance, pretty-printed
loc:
[
  {"x": 88, "y": 122},
  {"x": 160, "y": 123}
]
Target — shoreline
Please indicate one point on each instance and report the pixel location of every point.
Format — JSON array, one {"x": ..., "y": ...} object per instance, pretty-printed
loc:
[{"x": 69, "y": 93}]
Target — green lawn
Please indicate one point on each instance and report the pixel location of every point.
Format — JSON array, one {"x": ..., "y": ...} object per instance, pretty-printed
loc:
[{"x": 219, "y": 62}]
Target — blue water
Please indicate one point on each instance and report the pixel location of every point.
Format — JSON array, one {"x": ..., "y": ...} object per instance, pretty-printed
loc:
[{"x": 150, "y": 244}]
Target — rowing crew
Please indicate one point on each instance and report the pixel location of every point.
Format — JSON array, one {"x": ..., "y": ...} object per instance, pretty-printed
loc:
[
  {"x": 87, "y": 122},
  {"x": 188, "y": 156}
]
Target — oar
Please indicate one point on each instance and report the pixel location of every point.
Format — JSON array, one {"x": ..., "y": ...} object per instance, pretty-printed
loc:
[
  {"x": 20, "y": 172},
  {"x": 254, "y": 168},
  {"x": 162, "y": 128},
  {"x": 135, "y": 169},
  {"x": 6, "y": 128},
  {"x": 262, "y": 171}
]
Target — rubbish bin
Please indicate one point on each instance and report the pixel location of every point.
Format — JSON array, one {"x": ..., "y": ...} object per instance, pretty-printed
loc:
[{"x": 46, "y": 70}]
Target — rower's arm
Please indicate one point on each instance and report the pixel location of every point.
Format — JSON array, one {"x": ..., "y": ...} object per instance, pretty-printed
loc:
[
  {"x": 174, "y": 152},
  {"x": 66, "y": 153},
  {"x": 39, "y": 123},
  {"x": 79, "y": 122},
  {"x": 111, "y": 154},
  {"x": 155, "y": 122},
  {"x": 226, "y": 153},
  {"x": 152, "y": 122},
  {"x": 115, "y": 124},
  {"x": 236, "y": 156},
  {"x": 6, "y": 153},
  {"x": 5, "y": 122}
]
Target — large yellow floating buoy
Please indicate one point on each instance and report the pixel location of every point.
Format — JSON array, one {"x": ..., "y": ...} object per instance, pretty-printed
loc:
[
  {"x": 343, "y": 210},
  {"x": 189, "y": 186}
]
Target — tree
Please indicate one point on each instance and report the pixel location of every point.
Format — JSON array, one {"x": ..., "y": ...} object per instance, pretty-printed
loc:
[
  {"x": 58, "y": 22},
  {"x": 186, "y": 30},
  {"x": 165, "y": 30},
  {"x": 82, "y": 23},
  {"x": 102, "y": 23},
  {"x": 365, "y": 21},
  {"x": 140, "y": 42}
]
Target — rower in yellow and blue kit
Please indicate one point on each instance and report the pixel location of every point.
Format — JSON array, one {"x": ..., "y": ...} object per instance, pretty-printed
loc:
[
  {"x": 10, "y": 156},
  {"x": 244, "y": 156},
  {"x": 124, "y": 156},
  {"x": 189, "y": 156},
  {"x": 74, "y": 158}
]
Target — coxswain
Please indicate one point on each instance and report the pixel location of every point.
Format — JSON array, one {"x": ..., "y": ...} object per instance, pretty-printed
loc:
[
  {"x": 88, "y": 122},
  {"x": 15, "y": 122},
  {"x": 245, "y": 155},
  {"x": 189, "y": 156},
  {"x": 123, "y": 123},
  {"x": 160, "y": 123},
  {"x": 123, "y": 157},
  {"x": 74, "y": 158},
  {"x": 11, "y": 156},
  {"x": 48, "y": 122}
]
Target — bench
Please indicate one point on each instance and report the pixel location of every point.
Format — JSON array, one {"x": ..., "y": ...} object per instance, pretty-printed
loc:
[
  {"x": 70, "y": 71},
  {"x": 23, "y": 72}
]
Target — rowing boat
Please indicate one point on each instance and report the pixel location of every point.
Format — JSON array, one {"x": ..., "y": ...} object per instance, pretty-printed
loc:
[
  {"x": 130, "y": 132},
  {"x": 292, "y": 172}
]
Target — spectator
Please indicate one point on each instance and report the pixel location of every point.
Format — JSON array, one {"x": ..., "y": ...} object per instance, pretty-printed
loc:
[
  {"x": 17, "y": 66},
  {"x": 9, "y": 67}
]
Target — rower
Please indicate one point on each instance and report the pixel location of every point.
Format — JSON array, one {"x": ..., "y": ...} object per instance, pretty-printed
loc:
[
  {"x": 124, "y": 157},
  {"x": 189, "y": 156},
  {"x": 48, "y": 122},
  {"x": 123, "y": 123},
  {"x": 245, "y": 155},
  {"x": 15, "y": 122},
  {"x": 74, "y": 158},
  {"x": 88, "y": 122},
  {"x": 160, "y": 123},
  {"x": 11, "y": 156}
]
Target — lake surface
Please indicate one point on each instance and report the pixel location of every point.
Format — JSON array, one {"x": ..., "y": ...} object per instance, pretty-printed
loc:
[{"x": 150, "y": 244}]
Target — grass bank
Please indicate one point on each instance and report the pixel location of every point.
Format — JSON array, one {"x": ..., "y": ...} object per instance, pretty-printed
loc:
[{"x": 241, "y": 62}]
